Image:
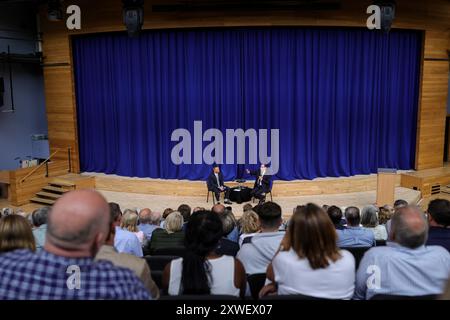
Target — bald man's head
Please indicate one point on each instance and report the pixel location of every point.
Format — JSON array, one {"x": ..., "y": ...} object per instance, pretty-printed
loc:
[
  {"x": 145, "y": 216},
  {"x": 78, "y": 222},
  {"x": 409, "y": 227},
  {"x": 218, "y": 208}
]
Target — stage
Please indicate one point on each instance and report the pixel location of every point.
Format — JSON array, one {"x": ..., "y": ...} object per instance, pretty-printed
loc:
[
  {"x": 159, "y": 194},
  {"x": 161, "y": 202}
]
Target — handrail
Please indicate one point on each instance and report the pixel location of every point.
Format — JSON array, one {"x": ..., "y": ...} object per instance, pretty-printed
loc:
[{"x": 41, "y": 165}]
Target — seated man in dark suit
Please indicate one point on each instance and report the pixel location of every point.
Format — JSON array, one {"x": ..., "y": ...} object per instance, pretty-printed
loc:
[
  {"x": 262, "y": 183},
  {"x": 215, "y": 184}
]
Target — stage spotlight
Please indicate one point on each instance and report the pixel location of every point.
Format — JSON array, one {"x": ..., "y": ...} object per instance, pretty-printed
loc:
[
  {"x": 55, "y": 10},
  {"x": 133, "y": 16},
  {"x": 387, "y": 12}
]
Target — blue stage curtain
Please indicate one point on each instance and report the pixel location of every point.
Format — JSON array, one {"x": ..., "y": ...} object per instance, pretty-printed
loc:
[{"x": 345, "y": 100}]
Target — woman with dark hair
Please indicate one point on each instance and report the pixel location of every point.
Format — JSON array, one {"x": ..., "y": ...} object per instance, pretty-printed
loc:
[
  {"x": 201, "y": 271},
  {"x": 16, "y": 234},
  {"x": 310, "y": 263}
]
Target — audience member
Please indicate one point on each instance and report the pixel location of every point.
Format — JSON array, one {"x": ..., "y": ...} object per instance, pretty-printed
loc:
[
  {"x": 202, "y": 271},
  {"x": 226, "y": 246},
  {"x": 439, "y": 222},
  {"x": 148, "y": 221},
  {"x": 196, "y": 209},
  {"x": 15, "y": 234},
  {"x": 354, "y": 235},
  {"x": 249, "y": 225},
  {"x": 310, "y": 263},
  {"x": 400, "y": 203},
  {"x": 124, "y": 240},
  {"x": 369, "y": 220},
  {"x": 247, "y": 207},
  {"x": 219, "y": 209},
  {"x": 257, "y": 252},
  {"x": 138, "y": 265},
  {"x": 172, "y": 236},
  {"x": 335, "y": 214},
  {"x": 39, "y": 221},
  {"x": 185, "y": 211},
  {"x": 384, "y": 215},
  {"x": 405, "y": 266},
  {"x": 77, "y": 227},
  {"x": 129, "y": 222},
  {"x": 165, "y": 214}
]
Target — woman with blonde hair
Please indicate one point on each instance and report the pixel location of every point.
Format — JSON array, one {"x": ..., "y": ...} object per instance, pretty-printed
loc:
[
  {"x": 16, "y": 234},
  {"x": 172, "y": 236},
  {"x": 129, "y": 222},
  {"x": 249, "y": 225}
]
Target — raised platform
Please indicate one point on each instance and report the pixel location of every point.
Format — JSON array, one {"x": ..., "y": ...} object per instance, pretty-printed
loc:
[
  {"x": 429, "y": 182},
  {"x": 319, "y": 186},
  {"x": 161, "y": 202}
]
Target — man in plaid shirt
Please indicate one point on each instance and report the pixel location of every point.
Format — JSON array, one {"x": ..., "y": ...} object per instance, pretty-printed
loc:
[{"x": 78, "y": 225}]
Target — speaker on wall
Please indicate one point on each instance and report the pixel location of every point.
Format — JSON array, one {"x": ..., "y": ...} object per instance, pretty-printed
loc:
[{"x": 2, "y": 91}]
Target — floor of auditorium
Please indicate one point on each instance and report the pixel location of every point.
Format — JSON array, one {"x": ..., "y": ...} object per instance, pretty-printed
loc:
[{"x": 159, "y": 203}]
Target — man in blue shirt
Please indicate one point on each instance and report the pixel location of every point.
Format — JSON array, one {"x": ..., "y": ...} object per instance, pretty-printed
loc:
[
  {"x": 404, "y": 267},
  {"x": 127, "y": 242},
  {"x": 439, "y": 221},
  {"x": 149, "y": 221},
  {"x": 354, "y": 235},
  {"x": 39, "y": 220},
  {"x": 77, "y": 227}
]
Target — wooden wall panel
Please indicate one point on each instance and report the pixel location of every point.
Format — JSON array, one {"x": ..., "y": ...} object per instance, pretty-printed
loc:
[
  {"x": 105, "y": 16},
  {"x": 61, "y": 113},
  {"x": 432, "y": 115},
  {"x": 22, "y": 192}
]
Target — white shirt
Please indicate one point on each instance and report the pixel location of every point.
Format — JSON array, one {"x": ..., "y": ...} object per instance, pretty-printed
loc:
[
  {"x": 295, "y": 276},
  {"x": 379, "y": 232},
  {"x": 221, "y": 281},
  {"x": 217, "y": 178}
]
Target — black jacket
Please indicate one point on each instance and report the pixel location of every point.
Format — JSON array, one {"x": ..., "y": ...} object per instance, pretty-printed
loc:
[
  {"x": 265, "y": 183},
  {"x": 212, "y": 181}
]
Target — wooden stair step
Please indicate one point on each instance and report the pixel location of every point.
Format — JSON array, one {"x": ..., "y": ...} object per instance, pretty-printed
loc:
[
  {"x": 48, "y": 195},
  {"x": 43, "y": 201},
  {"x": 54, "y": 189},
  {"x": 62, "y": 183}
]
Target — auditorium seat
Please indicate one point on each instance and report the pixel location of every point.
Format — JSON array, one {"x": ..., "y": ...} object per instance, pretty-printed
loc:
[
  {"x": 357, "y": 252},
  {"x": 199, "y": 297},
  {"x": 256, "y": 282},
  {"x": 177, "y": 251},
  {"x": 380, "y": 243},
  {"x": 396, "y": 297},
  {"x": 157, "y": 265},
  {"x": 291, "y": 297}
]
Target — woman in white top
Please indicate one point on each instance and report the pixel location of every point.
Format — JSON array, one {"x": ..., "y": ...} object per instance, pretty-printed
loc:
[
  {"x": 309, "y": 262},
  {"x": 201, "y": 270},
  {"x": 369, "y": 220}
]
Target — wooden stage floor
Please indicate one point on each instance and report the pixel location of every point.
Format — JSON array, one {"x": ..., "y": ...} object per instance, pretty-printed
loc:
[
  {"x": 345, "y": 191},
  {"x": 159, "y": 203}
]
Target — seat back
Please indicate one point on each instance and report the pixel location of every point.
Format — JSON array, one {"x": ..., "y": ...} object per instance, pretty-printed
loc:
[
  {"x": 292, "y": 297},
  {"x": 357, "y": 252},
  {"x": 176, "y": 251},
  {"x": 157, "y": 265},
  {"x": 209, "y": 297},
  {"x": 256, "y": 283},
  {"x": 395, "y": 297}
]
